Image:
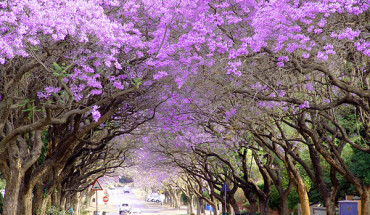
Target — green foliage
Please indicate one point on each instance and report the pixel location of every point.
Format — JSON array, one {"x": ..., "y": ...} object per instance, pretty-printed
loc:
[
  {"x": 54, "y": 211},
  {"x": 184, "y": 198},
  {"x": 293, "y": 199},
  {"x": 206, "y": 194},
  {"x": 44, "y": 149},
  {"x": 60, "y": 71},
  {"x": 274, "y": 201},
  {"x": 315, "y": 196},
  {"x": 137, "y": 82},
  {"x": 359, "y": 165},
  {"x": 2, "y": 182},
  {"x": 29, "y": 107},
  {"x": 85, "y": 212}
]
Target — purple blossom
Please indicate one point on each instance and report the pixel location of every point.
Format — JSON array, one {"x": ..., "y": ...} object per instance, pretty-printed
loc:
[
  {"x": 281, "y": 93},
  {"x": 229, "y": 114},
  {"x": 321, "y": 23},
  {"x": 95, "y": 113},
  {"x": 118, "y": 85},
  {"x": 317, "y": 31},
  {"x": 280, "y": 64},
  {"x": 48, "y": 92},
  {"x": 160, "y": 75},
  {"x": 96, "y": 92},
  {"x": 309, "y": 86},
  {"x": 322, "y": 56},
  {"x": 283, "y": 58},
  {"x": 118, "y": 65},
  {"x": 305, "y": 104},
  {"x": 347, "y": 33},
  {"x": 261, "y": 104},
  {"x": 306, "y": 55}
]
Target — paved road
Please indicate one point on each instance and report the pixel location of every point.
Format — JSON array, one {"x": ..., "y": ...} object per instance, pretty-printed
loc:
[{"x": 117, "y": 197}]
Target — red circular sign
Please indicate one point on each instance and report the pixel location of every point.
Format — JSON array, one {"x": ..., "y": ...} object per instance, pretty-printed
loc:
[{"x": 105, "y": 199}]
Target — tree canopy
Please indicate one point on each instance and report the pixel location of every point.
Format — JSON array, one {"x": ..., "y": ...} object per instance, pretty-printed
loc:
[{"x": 267, "y": 96}]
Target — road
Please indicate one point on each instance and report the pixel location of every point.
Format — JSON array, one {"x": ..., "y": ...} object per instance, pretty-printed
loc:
[{"x": 117, "y": 196}]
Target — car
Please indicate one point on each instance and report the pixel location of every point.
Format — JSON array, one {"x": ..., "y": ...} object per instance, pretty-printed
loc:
[
  {"x": 151, "y": 197},
  {"x": 135, "y": 211},
  {"x": 155, "y": 199},
  {"x": 126, "y": 191},
  {"x": 124, "y": 208}
]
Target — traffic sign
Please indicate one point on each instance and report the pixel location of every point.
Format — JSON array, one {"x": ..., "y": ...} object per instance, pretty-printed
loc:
[
  {"x": 225, "y": 188},
  {"x": 96, "y": 186},
  {"x": 105, "y": 199}
]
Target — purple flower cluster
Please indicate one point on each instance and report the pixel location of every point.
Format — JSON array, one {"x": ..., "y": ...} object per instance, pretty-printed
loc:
[
  {"x": 95, "y": 113},
  {"x": 305, "y": 104},
  {"x": 48, "y": 91}
]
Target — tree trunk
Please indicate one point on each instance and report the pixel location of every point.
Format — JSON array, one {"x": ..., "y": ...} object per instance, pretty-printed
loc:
[
  {"x": 25, "y": 201},
  {"x": 44, "y": 204},
  {"x": 284, "y": 210},
  {"x": 214, "y": 205},
  {"x": 365, "y": 201},
  {"x": 199, "y": 205},
  {"x": 75, "y": 203},
  {"x": 234, "y": 207},
  {"x": 12, "y": 187},
  {"x": 175, "y": 198},
  {"x": 190, "y": 204},
  {"x": 253, "y": 207},
  {"x": 63, "y": 200},
  {"x": 263, "y": 203},
  {"x": 38, "y": 199},
  {"x": 303, "y": 196},
  {"x": 330, "y": 206},
  {"x": 13, "y": 177}
]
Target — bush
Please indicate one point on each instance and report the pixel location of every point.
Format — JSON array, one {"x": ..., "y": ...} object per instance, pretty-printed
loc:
[{"x": 54, "y": 211}]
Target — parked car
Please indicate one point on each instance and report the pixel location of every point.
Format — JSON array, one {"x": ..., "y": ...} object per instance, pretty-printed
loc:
[
  {"x": 135, "y": 211},
  {"x": 151, "y": 197},
  {"x": 124, "y": 208},
  {"x": 156, "y": 199}
]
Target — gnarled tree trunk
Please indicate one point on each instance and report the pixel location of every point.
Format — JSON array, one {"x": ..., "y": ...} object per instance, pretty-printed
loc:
[
  {"x": 365, "y": 201},
  {"x": 13, "y": 175},
  {"x": 13, "y": 184}
]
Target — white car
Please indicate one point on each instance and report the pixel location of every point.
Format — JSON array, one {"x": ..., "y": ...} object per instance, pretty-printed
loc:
[
  {"x": 135, "y": 211},
  {"x": 124, "y": 208},
  {"x": 153, "y": 197}
]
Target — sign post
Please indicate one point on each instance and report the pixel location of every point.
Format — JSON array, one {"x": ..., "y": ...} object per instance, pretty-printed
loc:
[
  {"x": 225, "y": 189},
  {"x": 95, "y": 187}
]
